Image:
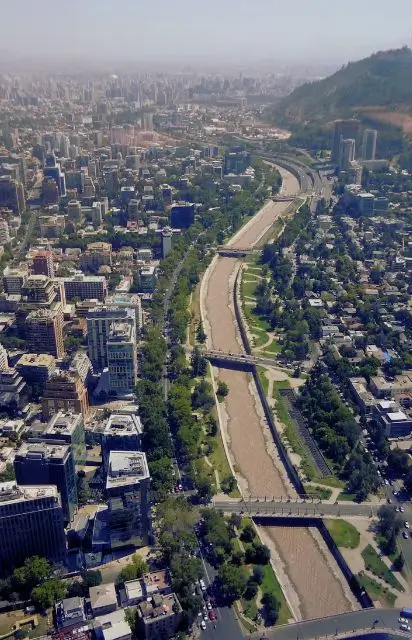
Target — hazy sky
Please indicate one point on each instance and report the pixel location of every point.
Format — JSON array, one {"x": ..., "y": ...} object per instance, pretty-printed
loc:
[{"x": 236, "y": 30}]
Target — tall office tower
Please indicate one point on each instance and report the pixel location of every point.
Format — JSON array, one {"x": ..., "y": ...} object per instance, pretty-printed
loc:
[
  {"x": 31, "y": 524},
  {"x": 44, "y": 331},
  {"x": 64, "y": 391},
  {"x": 133, "y": 209},
  {"x": 64, "y": 147},
  {"x": 122, "y": 356},
  {"x": 370, "y": 137},
  {"x": 14, "y": 279},
  {"x": 89, "y": 188},
  {"x": 105, "y": 206},
  {"x": 4, "y": 232},
  {"x": 123, "y": 432},
  {"x": 4, "y": 361},
  {"x": 129, "y": 301},
  {"x": 166, "y": 241},
  {"x": 97, "y": 213},
  {"x": 98, "y": 328},
  {"x": 347, "y": 154},
  {"x": 12, "y": 195},
  {"x": 182, "y": 215},
  {"x": 52, "y": 170},
  {"x": 50, "y": 191},
  {"x": 347, "y": 129},
  {"x": 46, "y": 463},
  {"x": 74, "y": 210},
  {"x": 43, "y": 263}
]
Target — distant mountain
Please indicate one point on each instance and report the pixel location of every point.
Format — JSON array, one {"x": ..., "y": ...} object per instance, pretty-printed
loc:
[{"x": 383, "y": 82}]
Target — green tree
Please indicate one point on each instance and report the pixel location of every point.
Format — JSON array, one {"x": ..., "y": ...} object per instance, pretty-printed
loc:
[
  {"x": 233, "y": 579},
  {"x": 46, "y": 594},
  {"x": 222, "y": 389},
  {"x": 271, "y": 608},
  {"x": 249, "y": 533},
  {"x": 92, "y": 578},
  {"x": 34, "y": 571},
  {"x": 200, "y": 333}
]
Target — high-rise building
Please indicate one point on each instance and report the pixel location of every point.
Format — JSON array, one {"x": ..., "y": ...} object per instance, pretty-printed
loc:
[
  {"x": 14, "y": 393},
  {"x": 44, "y": 331},
  {"x": 347, "y": 129},
  {"x": 347, "y": 154},
  {"x": 64, "y": 391},
  {"x": 368, "y": 151},
  {"x": 12, "y": 194},
  {"x": 46, "y": 463},
  {"x": 41, "y": 289},
  {"x": 99, "y": 321},
  {"x": 122, "y": 356},
  {"x": 166, "y": 241},
  {"x": 123, "y": 432},
  {"x": 182, "y": 215},
  {"x": 4, "y": 361},
  {"x": 64, "y": 146},
  {"x": 127, "y": 301},
  {"x": 31, "y": 524},
  {"x": 43, "y": 263},
  {"x": 133, "y": 209},
  {"x": 36, "y": 369},
  {"x": 85, "y": 287},
  {"x": 63, "y": 428},
  {"x": 53, "y": 171}
]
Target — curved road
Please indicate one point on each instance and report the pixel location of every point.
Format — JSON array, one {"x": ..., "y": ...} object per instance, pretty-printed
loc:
[{"x": 251, "y": 447}]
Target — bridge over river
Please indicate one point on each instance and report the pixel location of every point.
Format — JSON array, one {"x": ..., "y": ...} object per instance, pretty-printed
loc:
[{"x": 284, "y": 507}]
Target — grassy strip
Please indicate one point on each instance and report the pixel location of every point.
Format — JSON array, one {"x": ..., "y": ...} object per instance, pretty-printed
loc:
[
  {"x": 376, "y": 565},
  {"x": 344, "y": 534},
  {"x": 376, "y": 591},
  {"x": 271, "y": 584},
  {"x": 219, "y": 461},
  {"x": 344, "y": 496},
  {"x": 331, "y": 481},
  {"x": 248, "y": 626},
  {"x": 323, "y": 493}
]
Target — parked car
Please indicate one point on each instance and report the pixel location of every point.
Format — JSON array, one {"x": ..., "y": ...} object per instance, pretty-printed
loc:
[{"x": 203, "y": 625}]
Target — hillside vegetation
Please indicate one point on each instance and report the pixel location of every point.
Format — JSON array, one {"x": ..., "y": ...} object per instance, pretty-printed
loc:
[{"x": 382, "y": 80}]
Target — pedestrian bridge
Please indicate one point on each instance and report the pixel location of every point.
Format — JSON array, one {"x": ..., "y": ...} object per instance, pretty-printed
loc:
[
  {"x": 296, "y": 508},
  {"x": 234, "y": 252}
]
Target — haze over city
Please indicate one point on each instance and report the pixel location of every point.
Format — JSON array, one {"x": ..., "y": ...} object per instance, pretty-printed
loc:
[{"x": 233, "y": 31}]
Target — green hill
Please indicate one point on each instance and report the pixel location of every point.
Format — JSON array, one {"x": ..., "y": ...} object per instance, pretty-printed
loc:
[{"x": 383, "y": 80}]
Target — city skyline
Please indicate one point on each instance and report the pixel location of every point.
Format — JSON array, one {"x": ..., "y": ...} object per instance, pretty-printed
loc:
[{"x": 231, "y": 32}]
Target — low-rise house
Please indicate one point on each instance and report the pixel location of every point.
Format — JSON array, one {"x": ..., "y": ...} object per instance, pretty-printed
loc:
[{"x": 103, "y": 599}]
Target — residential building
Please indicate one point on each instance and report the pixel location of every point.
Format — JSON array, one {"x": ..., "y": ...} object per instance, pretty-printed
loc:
[
  {"x": 113, "y": 626},
  {"x": 382, "y": 387},
  {"x": 70, "y": 612},
  {"x": 123, "y": 432},
  {"x": 67, "y": 428},
  {"x": 363, "y": 398},
  {"x": 99, "y": 321},
  {"x": 52, "y": 226},
  {"x": 148, "y": 277},
  {"x": 159, "y": 617},
  {"x": 369, "y": 139},
  {"x": 45, "y": 463},
  {"x": 4, "y": 232},
  {"x": 103, "y": 599},
  {"x": 127, "y": 301},
  {"x": 85, "y": 287},
  {"x": 389, "y": 416},
  {"x": 31, "y": 524},
  {"x": 14, "y": 279},
  {"x": 42, "y": 290},
  {"x": 4, "y": 361},
  {"x": 96, "y": 255},
  {"x": 128, "y": 494},
  {"x": 166, "y": 242},
  {"x": 346, "y": 153},
  {"x": 44, "y": 331},
  {"x": 14, "y": 393},
  {"x": 36, "y": 369},
  {"x": 43, "y": 263},
  {"x": 122, "y": 356},
  {"x": 64, "y": 391}
]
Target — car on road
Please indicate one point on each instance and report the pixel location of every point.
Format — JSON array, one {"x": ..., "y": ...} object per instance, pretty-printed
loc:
[
  {"x": 405, "y": 534},
  {"x": 209, "y": 606},
  {"x": 203, "y": 625},
  {"x": 212, "y": 615},
  {"x": 405, "y": 626},
  {"x": 202, "y": 584},
  {"x": 401, "y": 509},
  {"x": 402, "y": 620},
  {"x": 386, "y": 481},
  {"x": 406, "y": 524}
]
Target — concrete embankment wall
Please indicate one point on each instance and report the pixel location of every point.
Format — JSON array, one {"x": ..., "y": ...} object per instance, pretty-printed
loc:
[{"x": 359, "y": 593}]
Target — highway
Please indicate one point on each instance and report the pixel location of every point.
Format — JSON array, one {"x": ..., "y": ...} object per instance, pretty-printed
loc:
[
  {"x": 370, "y": 620},
  {"x": 286, "y": 508}
]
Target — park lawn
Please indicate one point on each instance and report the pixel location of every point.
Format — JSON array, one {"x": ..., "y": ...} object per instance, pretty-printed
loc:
[
  {"x": 343, "y": 533},
  {"x": 259, "y": 338},
  {"x": 271, "y": 584},
  {"x": 249, "y": 288},
  {"x": 272, "y": 348},
  {"x": 323, "y": 493},
  {"x": 344, "y": 496},
  {"x": 376, "y": 565},
  {"x": 376, "y": 591},
  {"x": 250, "y": 607},
  {"x": 331, "y": 481},
  {"x": 263, "y": 379},
  {"x": 248, "y": 626}
]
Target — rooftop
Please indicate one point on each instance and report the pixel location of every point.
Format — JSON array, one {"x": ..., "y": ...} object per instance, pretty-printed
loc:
[
  {"x": 12, "y": 492},
  {"x": 126, "y": 425},
  {"x": 126, "y": 468},
  {"x": 158, "y": 606},
  {"x": 36, "y": 360},
  {"x": 42, "y": 450},
  {"x": 103, "y": 595},
  {"x": 64, "y": 423}
]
